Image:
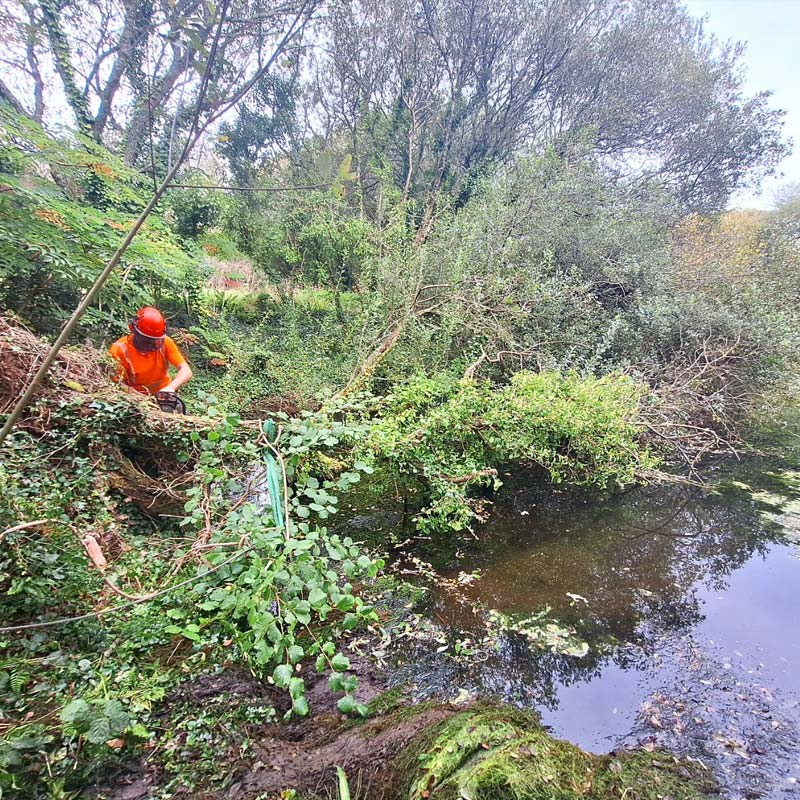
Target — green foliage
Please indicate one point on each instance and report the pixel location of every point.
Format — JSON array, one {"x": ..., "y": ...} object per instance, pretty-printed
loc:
[
  {"x": 280, "y": 351},
  {"x": 454, "y": 435},
  {"x": 96, "y": 722},
  {"x": 549, "y": 265},
  {"x": 492, "y": 753},
  {"x": 87, "y": 694},
  {"x": 220, "y": 246},
  {"x": 194, "y": 211},
  {"x": 291, "y": 593},
  {"x": 317, "y": 240},
  {"x": 265, "y": 118},
  {"x": 57, "y": 232}
]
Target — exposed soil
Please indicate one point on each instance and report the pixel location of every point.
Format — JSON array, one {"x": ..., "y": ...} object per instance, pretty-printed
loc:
[
  {"x": 305, "y": 756},
  {"x": 302, "y": 754}
]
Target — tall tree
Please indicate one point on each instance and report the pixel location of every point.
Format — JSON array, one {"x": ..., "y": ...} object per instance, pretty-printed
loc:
[
  {"x": 446, "y": 88},
  {"x": 127, "y": 68},
  {"x": 264, "y": 126}
]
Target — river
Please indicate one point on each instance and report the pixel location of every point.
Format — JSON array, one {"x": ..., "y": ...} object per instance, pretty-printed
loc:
[{"x": 685, "y": 601}]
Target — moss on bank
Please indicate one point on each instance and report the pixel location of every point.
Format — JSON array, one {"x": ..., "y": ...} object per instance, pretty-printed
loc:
[
  {"x": 491, "y": 752},
  {"x": 486, "y": 751}
]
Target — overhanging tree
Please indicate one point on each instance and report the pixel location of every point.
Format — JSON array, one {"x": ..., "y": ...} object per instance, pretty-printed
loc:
[{"x": 128, "y": 69}]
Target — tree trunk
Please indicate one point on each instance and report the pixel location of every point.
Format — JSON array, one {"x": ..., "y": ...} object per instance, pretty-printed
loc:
[
  {"x": 134, "y": 34},
  {"x": 63, "y": 64},
  {"x": 140, "y": 121},
  {"x": 7, "y": 95}
]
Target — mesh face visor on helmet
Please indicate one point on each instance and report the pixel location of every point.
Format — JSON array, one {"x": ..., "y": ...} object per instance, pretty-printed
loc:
[{"x": 144, "y": 343}]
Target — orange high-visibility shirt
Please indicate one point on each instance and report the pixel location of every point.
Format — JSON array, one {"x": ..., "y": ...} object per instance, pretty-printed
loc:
[{"x": 145, "y": 372}]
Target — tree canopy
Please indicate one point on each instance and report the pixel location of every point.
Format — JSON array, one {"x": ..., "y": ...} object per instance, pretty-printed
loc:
[{"x": 431, "y": 93}]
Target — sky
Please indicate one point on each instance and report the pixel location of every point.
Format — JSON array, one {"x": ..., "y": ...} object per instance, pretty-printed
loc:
[{"x": 770, "y": 28}]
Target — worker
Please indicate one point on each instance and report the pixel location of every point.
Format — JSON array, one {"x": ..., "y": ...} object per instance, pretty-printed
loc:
[{"x": 144, "y": 355}]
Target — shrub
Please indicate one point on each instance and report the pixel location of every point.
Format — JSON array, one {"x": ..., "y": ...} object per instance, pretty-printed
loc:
[{"x": 455, "y": 434}]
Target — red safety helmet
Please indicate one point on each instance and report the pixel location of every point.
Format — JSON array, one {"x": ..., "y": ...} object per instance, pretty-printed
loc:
[{"x": 150, "y": 322}]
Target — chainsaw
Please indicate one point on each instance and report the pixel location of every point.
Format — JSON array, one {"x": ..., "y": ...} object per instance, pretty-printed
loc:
[{"x": 170, "y": 403}]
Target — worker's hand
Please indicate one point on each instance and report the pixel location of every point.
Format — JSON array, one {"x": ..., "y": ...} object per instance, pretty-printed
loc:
[
  {"x": 133, "y": 391},
  {"x": 170, "y": 387}
]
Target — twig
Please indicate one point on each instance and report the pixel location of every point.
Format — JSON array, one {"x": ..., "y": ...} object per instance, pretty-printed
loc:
[
  {"x": 113, "y": 609},
  {"x": 36, "y": 523}
]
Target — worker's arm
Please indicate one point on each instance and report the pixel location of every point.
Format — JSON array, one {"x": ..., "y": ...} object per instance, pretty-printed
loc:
[
  {"x": 179, "y": 362},
  {"x": 184, "y": 376}
]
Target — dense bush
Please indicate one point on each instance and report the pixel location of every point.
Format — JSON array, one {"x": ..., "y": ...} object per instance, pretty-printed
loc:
[
  {"x": 557, "y": 264},
  {"x": 194, "y": 211},
  {"x": 291, "y": 349},
  {"x": 455, "y": 434},
  {"x": 316, "y": 240}
]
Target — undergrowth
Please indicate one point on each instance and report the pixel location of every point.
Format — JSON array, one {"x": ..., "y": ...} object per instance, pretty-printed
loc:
[
  {"x": 227, "y": 583},
  {"x": 454, "y": 435}
]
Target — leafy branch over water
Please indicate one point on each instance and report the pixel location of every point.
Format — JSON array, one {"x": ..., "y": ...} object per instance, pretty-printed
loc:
[{"x": 454, "y": 435}]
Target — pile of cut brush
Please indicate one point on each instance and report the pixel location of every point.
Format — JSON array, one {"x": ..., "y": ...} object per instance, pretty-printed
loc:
[
  {"x": 76, "y": 369},
  {"x": 137, "y": 448}
]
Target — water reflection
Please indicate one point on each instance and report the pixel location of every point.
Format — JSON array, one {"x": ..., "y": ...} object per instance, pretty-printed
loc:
[
  {"x": 687, "y": 598},
  {"x": 640, "y": 556},
  {"x": 630, "y": 573}
]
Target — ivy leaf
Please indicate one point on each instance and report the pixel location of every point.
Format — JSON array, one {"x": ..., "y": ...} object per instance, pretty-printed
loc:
[
  {"x": 300, "y": 706},
  {"x": 282, "y": 674},
  {"x": 76, "y": 712},
  {"x": 346, "y": 602},
  {"x": 317, "y": 597},
  {"x": 346, "y": 704},
  {"x": 118, "y": 717},
  {"x": 303, "y": 611},
  {"x": 340, "y": 662},
  {"x": 99, "y": 731},
  {"x": 191, "y": 632},
  {"x": 350, "y": 622},
  {"x": 297, "y": 688},
  {"x": 295, "y": 653}
]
